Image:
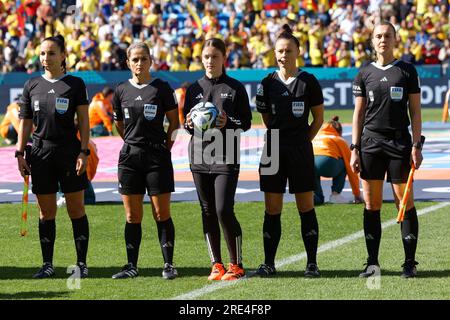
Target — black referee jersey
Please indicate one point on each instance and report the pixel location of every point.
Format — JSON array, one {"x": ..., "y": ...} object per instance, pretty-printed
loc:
[
  {"x": 52, "y": 103},
  {"x": 288, "y": 104},
  {"x": 142, "y": 109},
  {"x": 386, "y": 89},
  {"x": 228, "y": 95}
]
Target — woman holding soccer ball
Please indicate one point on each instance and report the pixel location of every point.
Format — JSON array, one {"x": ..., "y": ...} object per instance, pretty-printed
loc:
[
  {"x": 140, "y": 105},
  {"x": 385, "y": 91},
  {"x": 215, "y": 168},
  {"x": 285, "y": 99}
]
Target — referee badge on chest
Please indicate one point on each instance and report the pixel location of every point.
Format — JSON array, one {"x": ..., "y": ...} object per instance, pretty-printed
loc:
[
  {"x": 36, "y": 105},
  {"x": 298, "y": 107},
  {"x": 150, "y": 111},
  {"x": 61, "y": 105},
  {"x": 396, "y": 93}
]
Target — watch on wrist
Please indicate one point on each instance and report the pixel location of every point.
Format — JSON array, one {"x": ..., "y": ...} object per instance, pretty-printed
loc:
[
  {"x": 354, "y": 146},
  {"x": 417, "y": 145},
  {"x": 19, "y": 153},
  {"x": 85, "y": 151}
]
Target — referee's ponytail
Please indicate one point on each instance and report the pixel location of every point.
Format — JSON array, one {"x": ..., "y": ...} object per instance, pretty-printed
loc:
[
  {"x": 60, "y": 42},
  {"x": 286, "y": 33},
  {"x": 336, "y": 124}
]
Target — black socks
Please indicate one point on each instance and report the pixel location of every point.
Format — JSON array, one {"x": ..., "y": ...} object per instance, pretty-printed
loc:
[
  {"x": 166, "y": 236},
  {"x": 410, "y": 233},
  {"x": 47, "y": 235},
  {"x": 310, "y": 234},
  {"x": 133, "y": 236},
  {"x": 271, "y": 237},
  {"x": 81, "y": 236},
  {"x": 372, "y": 233}
]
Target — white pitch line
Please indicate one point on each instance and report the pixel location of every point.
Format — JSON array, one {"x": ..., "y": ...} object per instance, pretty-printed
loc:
[{"x": 292, "y": 259}]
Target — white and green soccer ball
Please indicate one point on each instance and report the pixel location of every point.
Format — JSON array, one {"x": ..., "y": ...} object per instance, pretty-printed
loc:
[{"x": 204, "y": 115}]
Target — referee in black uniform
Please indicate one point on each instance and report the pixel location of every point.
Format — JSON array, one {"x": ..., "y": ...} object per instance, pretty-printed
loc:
[
  {"x": 216, "y": 179},
  {"x": 285, "y": 99},
  {"x": 51, "y": 102},
  {"x": 385, "y": 91},
  {"x": 145, "y": 164}
]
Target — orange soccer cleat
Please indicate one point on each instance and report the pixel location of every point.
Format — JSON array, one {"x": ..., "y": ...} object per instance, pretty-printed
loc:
[
  {"x": 217, "y": 272},
  {"x": 235, "y": 272}
]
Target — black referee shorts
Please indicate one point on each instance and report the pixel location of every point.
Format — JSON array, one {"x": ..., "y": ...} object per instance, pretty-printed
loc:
[
  {"x": 296, "y": 165},
  {"x": 144, "y": 169},
  {"x": 53, "y": 165},
  {"x": 383, "y": 155}
]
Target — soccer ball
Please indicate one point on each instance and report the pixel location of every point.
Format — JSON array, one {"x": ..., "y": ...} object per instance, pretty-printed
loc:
[{"x": 204, "y": 115}]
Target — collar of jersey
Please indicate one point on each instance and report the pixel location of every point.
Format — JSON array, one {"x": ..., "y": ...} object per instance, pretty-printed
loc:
[
  {"x": 140, "y": 86},
  {"x": 376, "y": 65},
  {"x": 53, "y": 80},
  {"x": 290, "y": 79},
  {"x": 215, "y": 80}
]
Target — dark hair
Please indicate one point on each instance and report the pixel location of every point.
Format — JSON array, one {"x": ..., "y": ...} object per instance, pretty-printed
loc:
[
  {"x": 286, "y": 33},
  {"x": 336, "y": 124},
  {"x": 138, "y": 45},
  {"x": 107, "y": 91},
  {"x": 384, "y": 23},
  {"x": 219, "y": 45},
  {"x": 59, "y": 40}
]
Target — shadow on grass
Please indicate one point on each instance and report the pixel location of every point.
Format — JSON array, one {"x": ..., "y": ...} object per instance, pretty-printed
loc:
[
  {"x": 34, "y": 295},
  {"x": 22, "y": 273},
  {"x": 355, "y": 273}
]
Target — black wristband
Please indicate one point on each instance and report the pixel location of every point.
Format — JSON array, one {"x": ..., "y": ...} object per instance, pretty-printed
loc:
[
  {"x": 354, "y": 146},
  {"x": 19, "y": 153}
]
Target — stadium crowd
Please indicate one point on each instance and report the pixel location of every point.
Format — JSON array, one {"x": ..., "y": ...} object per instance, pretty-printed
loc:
[{"x": 332, "y": 33}]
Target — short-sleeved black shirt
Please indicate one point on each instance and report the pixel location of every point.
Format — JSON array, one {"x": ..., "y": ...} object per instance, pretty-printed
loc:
[
  {"x": 52, "y": 105},
  {"x": 142, "y": 108},
  {"x": 386, "y": 90},
  {"x": 289, "y": 103}
]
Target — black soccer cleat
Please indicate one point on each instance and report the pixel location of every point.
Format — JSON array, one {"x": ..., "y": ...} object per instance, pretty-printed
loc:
[
  {"x": 409, "y": 269},
  {"x": 84, "y": 272},
  {"x": 128, "y": 271},
  {"x": 45, "y": 272},
  {"x": 169, "y": 272},
  {"x": 312, "y": 271},
  {"x": 266, "y": 270},
  {"x": 369, "y": 270}
]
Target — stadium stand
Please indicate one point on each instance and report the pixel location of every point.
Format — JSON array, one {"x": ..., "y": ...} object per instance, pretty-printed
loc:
[{"x": 333, "y": 33}]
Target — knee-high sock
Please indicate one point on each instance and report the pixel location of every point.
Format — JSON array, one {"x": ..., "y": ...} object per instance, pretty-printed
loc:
[
  {"x": 410, "y": 233},
  {"x": 47, "y": 235},
  {"x": 81, "y": 236},
  {"x": 372, "y": 233},
  {"x": 133, "y": 236},
  {"x": 166, "y": 235},
  {"x": 310, "y": 234},
  {"x": 271, "y": 237}
]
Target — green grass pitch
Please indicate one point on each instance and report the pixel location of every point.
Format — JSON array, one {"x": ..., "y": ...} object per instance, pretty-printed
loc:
[{"x": 339, "y": 265}]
